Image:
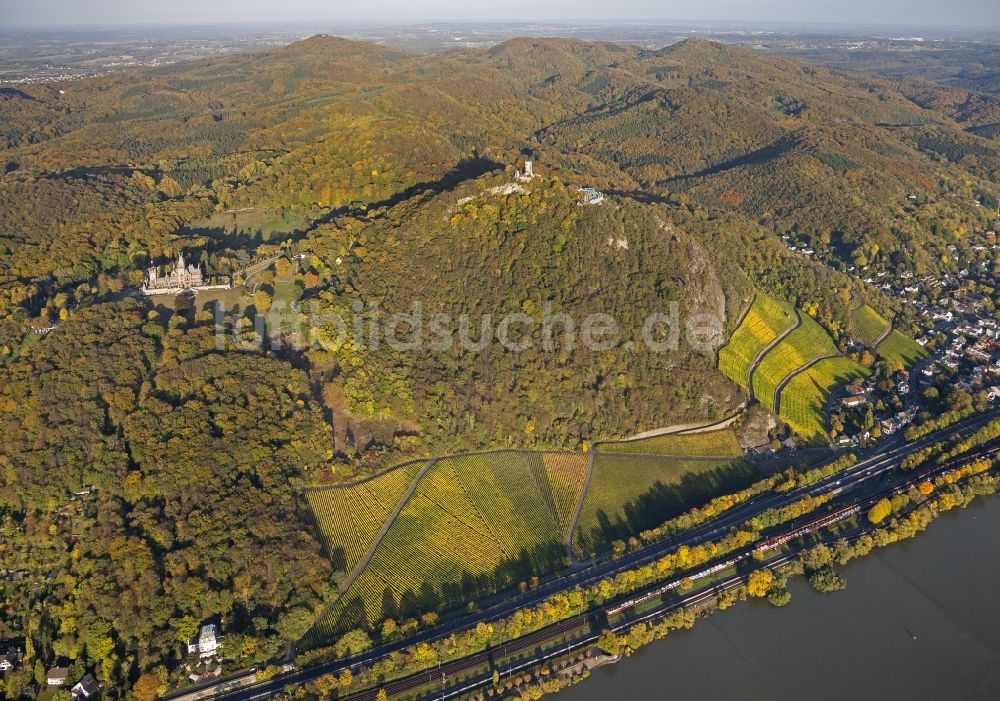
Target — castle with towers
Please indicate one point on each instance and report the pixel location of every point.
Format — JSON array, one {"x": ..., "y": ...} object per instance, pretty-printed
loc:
[{"x": 182, "y": 277}]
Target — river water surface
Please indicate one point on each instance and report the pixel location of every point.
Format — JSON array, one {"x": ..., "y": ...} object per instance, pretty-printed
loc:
[{"x": 918, "y": 620}]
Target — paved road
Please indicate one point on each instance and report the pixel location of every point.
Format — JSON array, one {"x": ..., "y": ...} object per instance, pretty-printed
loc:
[{"x": 865, "y": 470}]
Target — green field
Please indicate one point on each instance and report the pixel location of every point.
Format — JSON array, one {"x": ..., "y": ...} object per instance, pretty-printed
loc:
[
  {"x": 866, "y": 325},
  {"x": 766, "y": 320},
  {"x": 475, "y": 523},
  {"x": 255, "y": 223},
  {"x": 350, "y": 517},
  {"x": 899, "y": 347},
  {"x": 803, "y": 345},
  {"x": 804, "y": 398},
  {"x": 723, "y": 442},
  {"x": 632, "y": 493}
]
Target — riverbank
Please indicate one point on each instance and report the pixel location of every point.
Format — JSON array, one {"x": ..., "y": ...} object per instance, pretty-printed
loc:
[{"x": 918, "y": 620}]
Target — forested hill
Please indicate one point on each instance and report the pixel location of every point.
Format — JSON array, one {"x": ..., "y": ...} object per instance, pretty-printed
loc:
[{"x": 386, "y": 178}]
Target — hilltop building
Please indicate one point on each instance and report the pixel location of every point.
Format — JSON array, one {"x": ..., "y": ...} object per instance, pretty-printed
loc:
[
  {"x": 591, "y": 196},
  {"x": 528, "y": 172}
]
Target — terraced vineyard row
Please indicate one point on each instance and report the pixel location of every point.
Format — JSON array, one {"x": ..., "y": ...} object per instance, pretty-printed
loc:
[
  {"x": 866, "y": 325},
  {"x": 901, "y": 348},
  {"x": 766, "y": 320},
  {"x": 474, "y": 523},
  {"x": 804, "y": 398},
  {"x": 632, "y": 493},
  {"x": 722, "y": 442},
  {"x": 350, "y": 517},
  {"x": 803, "y": 345},
  {"x": 566, "y": 473}
]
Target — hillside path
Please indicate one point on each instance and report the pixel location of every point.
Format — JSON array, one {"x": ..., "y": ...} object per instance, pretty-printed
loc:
[
  {"x": 579, "y": 503},
  {"x": 385, "y": 527},
  {"x": 793, "y": 374},
  {"x": 884, "y": 336},
  {"x": 763, "y": 351}
]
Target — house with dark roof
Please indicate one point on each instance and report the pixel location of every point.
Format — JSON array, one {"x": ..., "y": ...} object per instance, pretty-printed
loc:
[
  {"x": 85, "y": 688},
  {"x": 10, "y": 659}
]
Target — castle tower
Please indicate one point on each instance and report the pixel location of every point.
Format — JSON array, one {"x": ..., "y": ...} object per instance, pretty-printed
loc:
[{"x": 528, "y": 173}]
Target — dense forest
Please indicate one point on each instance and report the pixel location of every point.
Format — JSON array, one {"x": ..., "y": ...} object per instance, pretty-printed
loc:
[
  {"x": 149, "y": 486},
  {"x": 154, "y": 451}
]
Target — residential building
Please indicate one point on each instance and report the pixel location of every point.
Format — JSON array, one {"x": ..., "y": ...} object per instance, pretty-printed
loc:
[
  {"x": 56, "y": 676},
  {"x": 10, "y": 659},
  {"x": 85, "y": 688},
  {"x": 207, "y": 641}
]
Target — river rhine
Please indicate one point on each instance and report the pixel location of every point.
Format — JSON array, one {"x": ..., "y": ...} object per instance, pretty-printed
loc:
[{"x": 918, "y": 620}]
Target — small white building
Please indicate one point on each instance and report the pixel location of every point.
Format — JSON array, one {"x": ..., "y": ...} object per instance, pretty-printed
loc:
[
  {"x": 206, "y": 643},
  {"x": 591, "y": 196},
  {"x": 57, "y": 676},
  {"x": 10, "y": 659}
]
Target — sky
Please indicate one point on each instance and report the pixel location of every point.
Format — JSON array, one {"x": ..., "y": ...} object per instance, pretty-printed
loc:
[{"x": 965, "y": 13}]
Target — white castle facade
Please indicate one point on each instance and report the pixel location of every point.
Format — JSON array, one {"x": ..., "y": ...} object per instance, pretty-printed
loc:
[{"x": 182, "y": 277}]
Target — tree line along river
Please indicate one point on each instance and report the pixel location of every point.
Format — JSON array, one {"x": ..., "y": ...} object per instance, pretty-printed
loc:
[{"x": 918, "y": 620}]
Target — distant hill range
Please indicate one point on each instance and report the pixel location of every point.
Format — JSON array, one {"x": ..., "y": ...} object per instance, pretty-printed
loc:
[{"x": 707, "y": 154}]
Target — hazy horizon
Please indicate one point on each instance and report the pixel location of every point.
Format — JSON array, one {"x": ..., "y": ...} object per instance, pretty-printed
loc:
[{"x": 64, "y": 14}]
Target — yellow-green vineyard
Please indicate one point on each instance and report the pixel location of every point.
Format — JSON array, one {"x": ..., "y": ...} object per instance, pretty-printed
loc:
[
  {"x": 705, "y": 443},
  {"x": 804, "y": 398},
  {"x": 901, "y": 349},
  {"x": 803, "y": 345},
  {"x": 475, "y": 524},
  {"x": 805, "y": 365},
  {"x": 766, "y": 319},
  {"x": 867, "y": 325},
  {"x": 349, "y": 518},
  {"x": 632, "y": 493}
]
